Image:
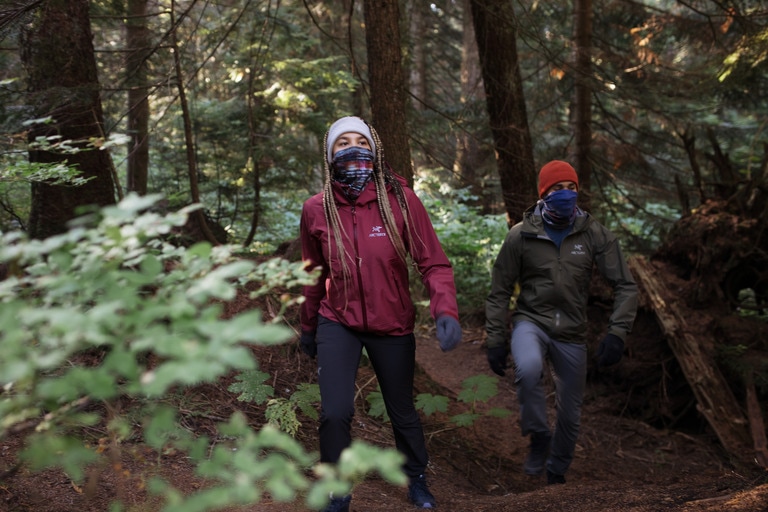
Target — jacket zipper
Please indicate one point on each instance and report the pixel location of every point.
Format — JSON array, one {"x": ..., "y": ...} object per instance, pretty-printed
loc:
[
  {"x": 358, "y": 265},
  {"x": 559, "y": 279}
]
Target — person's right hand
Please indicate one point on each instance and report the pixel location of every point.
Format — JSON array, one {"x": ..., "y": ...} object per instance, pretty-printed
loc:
[
  {"x": 497, "y": 359},
  {"x": 308, "y": 343}
]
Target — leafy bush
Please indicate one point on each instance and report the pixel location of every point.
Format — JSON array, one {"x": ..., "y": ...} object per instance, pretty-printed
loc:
[
  {"x": 474, "y": 390},
  {"x": 470, "y": 240},
  {"x": 110, "y": 310}
]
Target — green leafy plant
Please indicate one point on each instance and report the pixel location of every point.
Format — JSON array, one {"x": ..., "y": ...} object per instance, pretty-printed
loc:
[
  {"x": 474, "y": 390},
  {"x": 430, "y": 404},
  {"x": 282, "y": 412},
  {"x": 250, "y": 385},
  {"x": 376, "y": 407},
  {"x": 470, "y": 240},
  {"x": 112, "y": 310}
]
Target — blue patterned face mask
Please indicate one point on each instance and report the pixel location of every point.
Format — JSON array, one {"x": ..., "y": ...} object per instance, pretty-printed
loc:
[
  {"x": 559, "y": 208},
  {"x": 353, "y": 167}
]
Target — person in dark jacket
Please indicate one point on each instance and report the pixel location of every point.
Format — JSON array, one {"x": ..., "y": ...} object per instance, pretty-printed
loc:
[
  {"x": 550, "y": 256},
  {"x": 361, "y": 230}
]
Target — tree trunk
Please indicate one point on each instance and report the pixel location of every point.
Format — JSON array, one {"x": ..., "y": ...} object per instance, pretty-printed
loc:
[
  {"x": 496, "y": 31},
  {"x": 252, "y": 107},
  {"x": 582, "y": 98},
  {"x": 194, "y": 190},
  {"x": 471, "y": 158},
  {"x": 138, "y": 47},
  {"x": 57, "y": 51},
  {"x": 387, "y": 83},
  {"x": 418, "y": 61}
]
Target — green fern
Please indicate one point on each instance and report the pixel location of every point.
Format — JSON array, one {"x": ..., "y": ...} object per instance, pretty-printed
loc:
[{"x": 281, "y": 412}]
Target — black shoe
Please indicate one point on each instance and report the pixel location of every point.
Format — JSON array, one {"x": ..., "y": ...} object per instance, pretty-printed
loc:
[
  {"x": 338, "y": 504},
  {"x": 553, "y": 478},
  {"x": 537, "y": 456},
  {"x": 419, "y": 494}
]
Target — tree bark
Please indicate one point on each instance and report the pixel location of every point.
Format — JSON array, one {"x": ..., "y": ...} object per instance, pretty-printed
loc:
[
  {"x": 470, "y": 159},
  {"x": 418, "y": 61},
  {"x": 582, "y": 98},
  {"x": 138, "y": 47},
  {"x": 189, "y": 142},
  {"x": 387, "y": 83},
  {"x": 496, "y": 31},
  {"x": 57, "y": 51}
]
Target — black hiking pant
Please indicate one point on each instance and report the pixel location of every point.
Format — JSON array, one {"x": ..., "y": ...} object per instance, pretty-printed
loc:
[{"x": 393, "y": 359}]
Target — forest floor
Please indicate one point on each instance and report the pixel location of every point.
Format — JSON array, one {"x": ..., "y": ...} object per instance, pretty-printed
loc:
[{"x": 622, "y": 462}]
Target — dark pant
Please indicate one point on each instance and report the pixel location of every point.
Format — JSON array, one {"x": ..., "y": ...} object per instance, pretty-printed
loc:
[{"x": 393, "y": 359}]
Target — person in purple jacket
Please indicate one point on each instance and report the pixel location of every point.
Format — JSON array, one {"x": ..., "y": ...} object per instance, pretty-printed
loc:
[{"x": 360, "y": 231}]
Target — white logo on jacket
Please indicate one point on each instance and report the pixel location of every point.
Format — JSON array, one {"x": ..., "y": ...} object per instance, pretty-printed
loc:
[
  {"x": 578, "y": 249},
  {"x": 377, "y": 231}
]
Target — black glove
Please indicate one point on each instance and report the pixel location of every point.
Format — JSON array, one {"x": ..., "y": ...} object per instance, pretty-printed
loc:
[
  {"x": 308, "y": 343},
  {"x": 497, "y": 359},
  {"x": 610, "y": 350},
  {"x": 448, "y": 332}
]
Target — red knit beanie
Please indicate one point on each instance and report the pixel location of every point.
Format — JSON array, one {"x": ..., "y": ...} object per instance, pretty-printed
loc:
[{"x": 553, "y": 173}]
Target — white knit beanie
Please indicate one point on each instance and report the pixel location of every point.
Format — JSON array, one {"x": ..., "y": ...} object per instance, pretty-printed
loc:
[{"x": 346, "y": 125}]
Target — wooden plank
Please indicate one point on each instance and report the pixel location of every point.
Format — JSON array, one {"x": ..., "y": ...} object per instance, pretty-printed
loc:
[{"x": 715, "y": 400}]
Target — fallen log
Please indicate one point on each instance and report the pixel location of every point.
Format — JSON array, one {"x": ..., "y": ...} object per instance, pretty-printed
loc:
[
  {"x": 693, "y": 346},
  {"x": 756, "y": 424}
]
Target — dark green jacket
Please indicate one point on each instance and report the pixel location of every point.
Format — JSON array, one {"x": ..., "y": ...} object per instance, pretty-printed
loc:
[{"x": 554, "y": 284}]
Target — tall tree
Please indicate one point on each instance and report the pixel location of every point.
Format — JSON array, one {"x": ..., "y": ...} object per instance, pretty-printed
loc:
[
  {"x": 138, "y": 50},
  {"x": 189, "y": 143},
  {"x": 582, "y": 97},
  {"x": 58, "y": 55},
  {"x": 470, "y": 154},
  {"x": 417, "y": 28},
  {"x": 387, "y": 83},
  {"x": 496, "y": 32}
]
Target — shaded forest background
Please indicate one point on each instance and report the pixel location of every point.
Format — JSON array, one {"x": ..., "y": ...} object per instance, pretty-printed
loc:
[
  {"x": 660, "y": 106},
  {"x": 227, "y": 102}
]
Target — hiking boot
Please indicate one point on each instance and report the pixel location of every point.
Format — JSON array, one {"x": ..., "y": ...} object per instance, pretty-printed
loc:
[
  {"x": 419, "y": 494},
  {"x": 338, "y": 504},
  {"x": 554, "y": 478},
  {"x": 537, "y": 456}
]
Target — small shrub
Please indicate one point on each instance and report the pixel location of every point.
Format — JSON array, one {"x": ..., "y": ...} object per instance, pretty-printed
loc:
[{"x": 81, "y": 315}]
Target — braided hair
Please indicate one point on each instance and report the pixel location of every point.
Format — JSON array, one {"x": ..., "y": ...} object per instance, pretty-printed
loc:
[{"x": 382, "y": 175}]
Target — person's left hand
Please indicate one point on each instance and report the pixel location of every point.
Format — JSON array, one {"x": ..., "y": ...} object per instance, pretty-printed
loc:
[
  {"x": 448, "y": 332},
  {"x": 610, "y": 350}
]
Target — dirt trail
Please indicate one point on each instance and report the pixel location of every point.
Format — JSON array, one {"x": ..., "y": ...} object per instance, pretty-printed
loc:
[{"x": 621, "y": 464}]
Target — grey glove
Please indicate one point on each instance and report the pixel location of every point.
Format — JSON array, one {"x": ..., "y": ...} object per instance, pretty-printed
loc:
[
  {"x": 448, "y": 332},
  {"x": 610, "y": 350}
]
